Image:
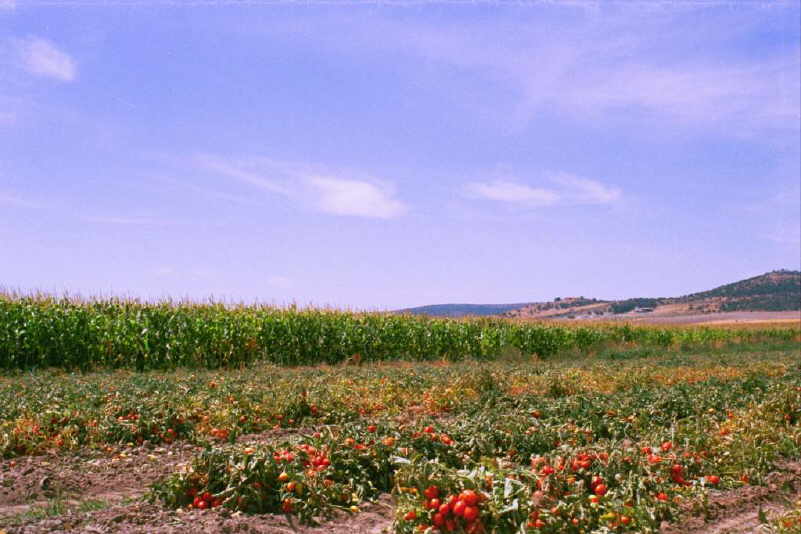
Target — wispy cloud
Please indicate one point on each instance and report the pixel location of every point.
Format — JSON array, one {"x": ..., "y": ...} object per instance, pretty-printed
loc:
[
  {"x": 577, "y": 190},
  {"x": 337, "y": 193},
  {"x": 253, "y": 174},
  {"x": 42, "y": 58},
  {"x": 354, "y": 197},
  {"x": 567, "y": 189},
  {"x": 635, "y": 61},
  {"x": 127, "y": 221},
  {"x": 517, "y": 193}
]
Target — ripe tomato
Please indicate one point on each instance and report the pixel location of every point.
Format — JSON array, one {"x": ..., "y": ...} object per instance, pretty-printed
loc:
[
  {"x": 202, "y": 505},
  {"x": 470, "y": 513},
  {"x": 438, "y": 519},
  {"x": 713, "y": 479},
  {"x": 433, "y": 504},
  {"x": 411, "y": 515},
  {"x": 444, "y": 509},
  {"x": 600, "y": 490},
  {"x": 431, "y": 492},
  {"x": 662, "y": 496},
  {"x": 469, "y": 497},
  {"x": 372, "y": 428},
  {"x": 459, "y": 507}
]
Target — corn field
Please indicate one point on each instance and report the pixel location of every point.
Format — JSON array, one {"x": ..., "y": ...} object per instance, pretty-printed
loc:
[{"x": 39, "y": 332}]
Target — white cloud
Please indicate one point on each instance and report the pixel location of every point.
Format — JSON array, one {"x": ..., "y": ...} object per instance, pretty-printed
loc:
[
  {"x": 354, "y": 197},
  {"x": 336, "y": 193},
  {"x": 43, "y": 58},
  {"x": 127, "y": 221},
  {"x": 514, "y": 192},
  {"x": 584, "y": 191},
  {"x": 569, "y": 190}
]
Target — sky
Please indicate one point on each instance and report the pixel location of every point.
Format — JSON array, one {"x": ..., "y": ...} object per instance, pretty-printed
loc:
[{"x": 378, "y": 155}]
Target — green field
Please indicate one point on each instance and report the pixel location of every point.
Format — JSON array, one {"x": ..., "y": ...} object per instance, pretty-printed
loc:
[{"x": 44, "y": 332}]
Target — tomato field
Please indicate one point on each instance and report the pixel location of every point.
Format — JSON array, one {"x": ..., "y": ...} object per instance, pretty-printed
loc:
[{"x": 621, "y": 436}]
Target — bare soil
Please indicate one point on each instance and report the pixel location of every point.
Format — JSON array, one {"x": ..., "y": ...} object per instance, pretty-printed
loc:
[
  {"x": 738, "y": 511},
  {"x": 114, "y": 484}
]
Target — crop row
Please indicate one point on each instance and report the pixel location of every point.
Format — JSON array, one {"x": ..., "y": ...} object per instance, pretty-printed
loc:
[
  {"x": 53, "y": 410},
  {"x": 66, "y": 333},
  {"x": 573, "y": 464}
]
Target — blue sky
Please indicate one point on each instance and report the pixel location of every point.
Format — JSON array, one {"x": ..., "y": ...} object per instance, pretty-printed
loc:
[{"x": 376, "y": 156}]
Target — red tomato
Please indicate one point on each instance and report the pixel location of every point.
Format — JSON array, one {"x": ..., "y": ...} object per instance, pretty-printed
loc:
[
  {"x": 662, "y": 496},
  {"x": 207, "y": 496},
  {"x": 469, "y": 497},
  {"x": 438, "y": 519},
  {"x": 433, "y": 504},
  {"x": 202, "y": 505},
  {"x": 196, "y": 502},
  {"x": 470, "y": 513},
  {"x": 600, "y": 490},
  {"x": 372, "y": 428},
  {"x": 431, "y": 491},
  {"x": 713, "y": 479},
  {"x": 410, "y": 515},
  {"x": 444, "y": 509},
  {"x": 458, "y": 508}
]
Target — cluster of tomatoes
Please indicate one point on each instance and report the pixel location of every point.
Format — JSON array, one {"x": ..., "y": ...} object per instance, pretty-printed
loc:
[
  {"x": 283, "y": 455},
  {"x": 204, "y": 500},
  {"x": 433, "y": 436},
  {"x": 449, "y": 513},
  {"x": 220, "y": 433},
  {"x": 315, "y": 459}
]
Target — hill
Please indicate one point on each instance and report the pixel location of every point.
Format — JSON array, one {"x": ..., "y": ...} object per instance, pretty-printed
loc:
[
  {"x": 462, "y": 310},
  {"x": 770, "y": 292}
]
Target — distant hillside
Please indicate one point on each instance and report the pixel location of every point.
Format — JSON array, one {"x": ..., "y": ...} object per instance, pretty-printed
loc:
[
  {"x": 462, "y": 310},
  {"x": 774, "y": 291}
]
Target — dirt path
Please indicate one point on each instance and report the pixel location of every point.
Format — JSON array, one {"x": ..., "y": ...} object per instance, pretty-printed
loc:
[
  {"x": 102, "y": 492},
  {"x": 738, "y": 511}
]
